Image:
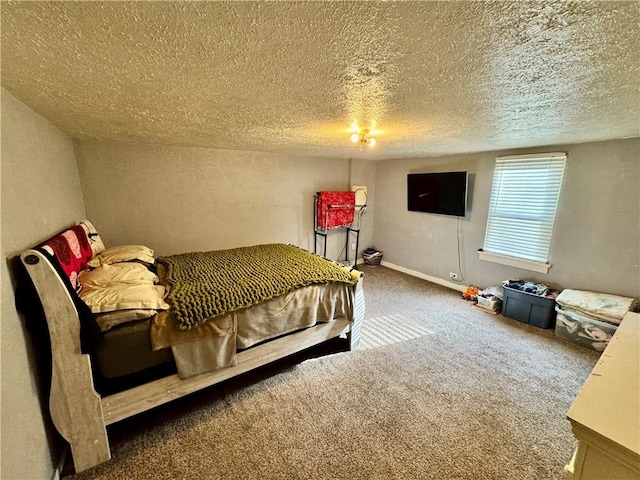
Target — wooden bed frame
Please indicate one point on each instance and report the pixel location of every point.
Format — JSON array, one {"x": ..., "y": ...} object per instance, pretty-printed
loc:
[{"x": 81, "y": 415}]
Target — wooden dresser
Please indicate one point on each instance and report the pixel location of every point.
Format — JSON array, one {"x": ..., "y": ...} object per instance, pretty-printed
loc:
[{"x": 605, "y": 416}]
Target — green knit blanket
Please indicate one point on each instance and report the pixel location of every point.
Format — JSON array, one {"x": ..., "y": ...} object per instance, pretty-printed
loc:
[{"x": 204, "y": 285}]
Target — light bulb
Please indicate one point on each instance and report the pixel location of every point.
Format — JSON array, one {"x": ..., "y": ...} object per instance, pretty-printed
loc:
[
  {"x": 354, "y": 138},
  {"x": 372, "y": 142}
]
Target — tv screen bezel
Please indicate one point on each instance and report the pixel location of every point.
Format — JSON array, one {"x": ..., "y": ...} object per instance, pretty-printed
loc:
[{"x": 460, "y": 209}]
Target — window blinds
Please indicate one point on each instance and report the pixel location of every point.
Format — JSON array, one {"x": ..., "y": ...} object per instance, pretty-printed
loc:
[{"x": 522, "y": 209}]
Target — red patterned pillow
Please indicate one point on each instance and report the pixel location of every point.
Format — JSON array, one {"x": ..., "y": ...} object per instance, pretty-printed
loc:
[{"x": 72, "y": 250}]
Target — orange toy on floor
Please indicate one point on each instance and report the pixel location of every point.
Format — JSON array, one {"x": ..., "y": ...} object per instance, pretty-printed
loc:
[{"x": 470, "y": 293}]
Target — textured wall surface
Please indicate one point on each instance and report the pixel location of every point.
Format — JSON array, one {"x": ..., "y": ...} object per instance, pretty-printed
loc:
[
  {"x": 596, "y": 239},
  {"x": 40, "y": 196},
  {"x": 432, "y": 77},
  {"x": 180, "y": 199},
  {"x": 363, "y": 173}
]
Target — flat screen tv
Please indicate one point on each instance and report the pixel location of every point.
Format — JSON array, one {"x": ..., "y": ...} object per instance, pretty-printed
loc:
[{"x": 444, "y": 193}]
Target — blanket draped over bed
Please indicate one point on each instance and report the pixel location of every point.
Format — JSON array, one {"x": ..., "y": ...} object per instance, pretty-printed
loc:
[{"x": 204, "y": 285}]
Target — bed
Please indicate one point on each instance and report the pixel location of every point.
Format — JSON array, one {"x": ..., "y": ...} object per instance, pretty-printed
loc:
[{"x": 205, "y": 338}]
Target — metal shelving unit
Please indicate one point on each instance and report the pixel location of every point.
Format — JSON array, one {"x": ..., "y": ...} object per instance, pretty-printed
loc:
[{"x": 350, "y": 230}]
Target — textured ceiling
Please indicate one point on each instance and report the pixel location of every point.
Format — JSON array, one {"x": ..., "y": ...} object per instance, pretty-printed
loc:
[{"x": 431, "y": 78}]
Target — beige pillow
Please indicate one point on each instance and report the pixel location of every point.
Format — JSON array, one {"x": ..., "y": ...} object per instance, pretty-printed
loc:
[
  {"x": 122, "y": 296},
  {"x": 125, "y": 272},
  {"x": 123, "y": 253},
  {"x": 95, "y": 241}
]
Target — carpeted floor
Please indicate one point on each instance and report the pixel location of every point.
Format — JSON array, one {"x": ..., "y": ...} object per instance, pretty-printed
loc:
[{"x": 438, "y": 390}]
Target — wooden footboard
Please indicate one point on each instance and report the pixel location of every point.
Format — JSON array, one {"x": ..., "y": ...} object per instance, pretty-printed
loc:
[{"x": 81, "y": 415}]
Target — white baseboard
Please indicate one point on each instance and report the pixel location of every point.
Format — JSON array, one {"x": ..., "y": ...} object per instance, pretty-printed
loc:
[{"x": 429, "y": 278}]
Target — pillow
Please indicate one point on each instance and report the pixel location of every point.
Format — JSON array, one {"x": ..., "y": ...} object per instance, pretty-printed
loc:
[
  {"x": 122, "y": 296},
  {"x": 95, "y": 241},
  {"x": 107, "y": 274},
  {"x": 72, "y": 252},
  {"x": 123, "y": 253},
  {"x": 108, "y": 320}
]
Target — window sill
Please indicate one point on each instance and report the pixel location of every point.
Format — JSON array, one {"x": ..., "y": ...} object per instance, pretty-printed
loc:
[{"x": 514, "y": 262}]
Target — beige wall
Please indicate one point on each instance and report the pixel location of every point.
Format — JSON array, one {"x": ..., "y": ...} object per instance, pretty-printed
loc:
[
  {"x": 363, "y": 173},
  {"x": 177, "y": 199},
  {"x": 40, "y": 195},
  {"x": 596, "y": 241}
]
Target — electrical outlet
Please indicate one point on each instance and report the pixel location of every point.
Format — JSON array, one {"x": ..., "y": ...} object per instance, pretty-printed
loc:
[
  {"x": 453, "y": 276},
  {"x": 353, "y": 246}
]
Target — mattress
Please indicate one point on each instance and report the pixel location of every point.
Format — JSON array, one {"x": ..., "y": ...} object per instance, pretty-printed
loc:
[
  {"x": 126, "y": 349},
  {"x": 137, "y": 346}
]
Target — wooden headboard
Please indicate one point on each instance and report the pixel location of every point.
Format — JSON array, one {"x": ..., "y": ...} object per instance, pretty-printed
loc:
[{"x": 75, "y": 406}]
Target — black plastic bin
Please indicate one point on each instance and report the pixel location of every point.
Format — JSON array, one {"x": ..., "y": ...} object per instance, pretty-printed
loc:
[{"x": 529, "y": 308}]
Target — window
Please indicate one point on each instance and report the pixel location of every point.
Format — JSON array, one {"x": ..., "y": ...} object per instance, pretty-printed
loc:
[{"x": 522, "y": 210}]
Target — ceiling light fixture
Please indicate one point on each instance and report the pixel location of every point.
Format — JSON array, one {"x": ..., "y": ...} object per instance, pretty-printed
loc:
[{"x": 363, "y": 138}]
